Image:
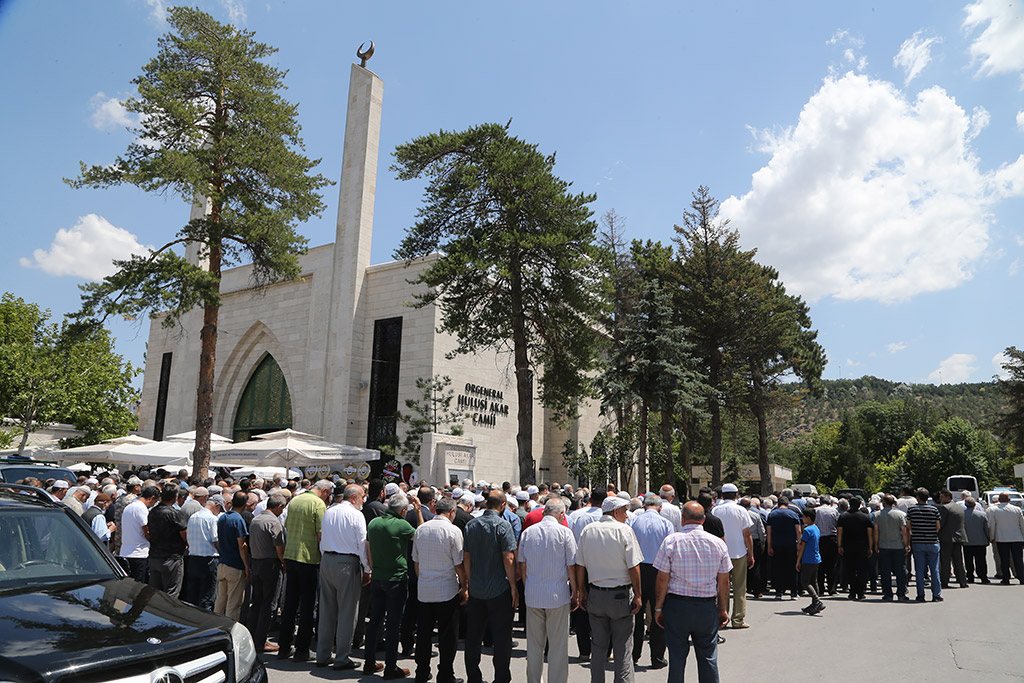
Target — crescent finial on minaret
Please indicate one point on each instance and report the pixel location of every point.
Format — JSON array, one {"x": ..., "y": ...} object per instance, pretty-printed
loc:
[{"x": 364, "y": 55}]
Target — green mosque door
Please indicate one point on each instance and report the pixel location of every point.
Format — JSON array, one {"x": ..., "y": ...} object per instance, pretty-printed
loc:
[{"x": 266, "y": 405}]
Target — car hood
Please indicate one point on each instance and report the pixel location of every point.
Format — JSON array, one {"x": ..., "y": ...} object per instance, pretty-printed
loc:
[{"x": 51, "y": 630}]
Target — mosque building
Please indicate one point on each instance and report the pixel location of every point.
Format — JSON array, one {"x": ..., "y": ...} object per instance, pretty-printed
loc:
[{"x": 337, "y": 352}]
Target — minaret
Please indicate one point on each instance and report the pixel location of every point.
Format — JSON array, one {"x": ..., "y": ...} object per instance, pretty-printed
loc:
[{"x": 352, "y": 251}]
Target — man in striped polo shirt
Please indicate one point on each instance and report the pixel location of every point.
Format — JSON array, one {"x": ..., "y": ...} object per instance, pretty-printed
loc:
[{"x": 923, "y": 521}]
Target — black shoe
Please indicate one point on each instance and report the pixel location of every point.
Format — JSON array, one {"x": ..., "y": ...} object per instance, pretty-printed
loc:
[
  {"x": 965, "y": 585},
  {"x": 919, "y": 598},
  {"x": 658, "y": 664},
  {"x": 904, "y": 598},
  {"x": 371, "y": 669},
  {"x": 345, "y": 665},
  {"x": 937, "y": 598},
  {"x": 1004, "y": 582},
  {"x": 807, "y": 610},
  {"x": 985, "y": 581},
  {"x": 301, "y": 656},
  {"x": 721, "y": 640},
  {"x": 285, "y": 652},
  {"x": 396, "y": 673},
  {"x": 816, "y": 607},
  {"x": 886, "y": 598}
]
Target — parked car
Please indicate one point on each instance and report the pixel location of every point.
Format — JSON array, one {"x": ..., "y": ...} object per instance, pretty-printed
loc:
[
  {"x": 69, "y": 614},
  {"x": 992, "y": 497},
  {"x": 14, "y": 469}
]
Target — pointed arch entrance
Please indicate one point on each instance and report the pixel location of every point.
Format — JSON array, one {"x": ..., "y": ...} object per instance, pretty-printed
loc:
[{"x": 266, "y": 405}]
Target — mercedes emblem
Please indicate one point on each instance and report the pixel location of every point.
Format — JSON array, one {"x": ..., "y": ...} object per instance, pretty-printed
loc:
[
  {"x": 166, "y": 675},
  {"x": 154, "y": 641}
]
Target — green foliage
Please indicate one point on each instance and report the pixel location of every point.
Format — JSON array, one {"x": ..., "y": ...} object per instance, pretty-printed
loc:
[
  {"x": 1009, "y": 422},
  {"x": 431, "y": 414},
  {"x": 61, "y": 372},
  {"x": 7, "y": 438},
  {"x": 518, "y": 269}
]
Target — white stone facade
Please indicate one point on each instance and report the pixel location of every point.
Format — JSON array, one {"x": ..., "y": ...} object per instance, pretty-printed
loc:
[{"x": 320, "y": 331}]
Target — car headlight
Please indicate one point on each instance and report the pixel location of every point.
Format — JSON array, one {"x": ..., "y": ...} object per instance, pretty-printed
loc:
[{"x": 244, "y": 649}]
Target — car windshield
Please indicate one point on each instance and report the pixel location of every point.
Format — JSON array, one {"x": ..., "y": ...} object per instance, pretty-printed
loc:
[
  {"x": 19, "y": 472},
  {"x": 44, "y": 546}
]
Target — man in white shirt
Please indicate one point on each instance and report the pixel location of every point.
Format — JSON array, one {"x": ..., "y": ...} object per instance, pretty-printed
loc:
[
  {"x": 737, "y": 523},
  {"x": 578, "y": 521},
  {"x": 441, "y": 587},
  {"x": 344, "y": 567},
  {"x": 135, "y": 534},
  {"x": 1006, "y": 525},
  {"x": 547, "y": 555},
  {"x": 669, "y": 509},
  {"x": 610, "y": 555}
]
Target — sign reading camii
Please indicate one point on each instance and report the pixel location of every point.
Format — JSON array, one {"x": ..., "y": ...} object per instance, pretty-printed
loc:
[{"x": 487, "y": 403}]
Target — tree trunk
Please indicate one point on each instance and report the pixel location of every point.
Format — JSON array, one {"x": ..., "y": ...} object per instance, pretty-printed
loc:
[
  {"x": 666, "y": 438},
  {"x": 715, "y": 408},
  {"x": 684, "y": 457},
  {"x": 207, "y": 362},
  {"x": 26, "y": 429},
  {"x": 641, "y": 460},
  {"x": 757, "y": 407},
  {"x": 524, "y": 378}
]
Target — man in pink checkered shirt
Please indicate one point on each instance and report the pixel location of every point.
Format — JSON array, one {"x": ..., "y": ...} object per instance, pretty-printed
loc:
[{"x": 692, "y": 595}]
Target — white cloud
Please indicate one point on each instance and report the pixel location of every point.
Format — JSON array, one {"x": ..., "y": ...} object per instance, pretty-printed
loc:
[
  {"x": 957, "y": 368},
  {"x": 236, "y": 11},
  {"x": 914, "y": 55},
  {"x": 851, "y": 363},
  {"x": 1014, "y": 267},
  {"x": 843, "y": 37},
  {"x": 896, "y": 347},
  {"x": 1000, "y": 46},
  {"x": 86, "y": 250},
  {"x": 109, "y": 113},
  {"x": 997, "y": 365},
  {"x": 157, "y": 11},
  {"x": 1020, "y": 120},
  {"x": 872, "y": 195}
]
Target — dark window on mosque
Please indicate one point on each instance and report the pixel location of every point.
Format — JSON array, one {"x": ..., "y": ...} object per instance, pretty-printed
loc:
[
  {"x": 161, "y": 396},
  {"x": 265, "y": 405},
  {"x": 387, "y": 354}
]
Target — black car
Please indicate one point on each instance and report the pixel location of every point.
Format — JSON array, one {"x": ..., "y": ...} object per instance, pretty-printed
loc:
[
  {"x": 14, "y": 468},
  {"x": 68, "y": 612}
]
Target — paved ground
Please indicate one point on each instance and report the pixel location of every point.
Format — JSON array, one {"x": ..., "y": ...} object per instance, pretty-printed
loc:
[{"x": 975, "y": 635}]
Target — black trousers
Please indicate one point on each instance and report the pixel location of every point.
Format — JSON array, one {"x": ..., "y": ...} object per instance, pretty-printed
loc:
[
  {"x": 409, "y": 617},
  {"x": 445, "y": 616},
  {"x": 1008, "y": 552},
  {"x": 264, "y": 583},
  {"x": 201, "y": 584},
  {"x": 580, "y": 621},
  {"x": 498, "y": 613},
  {"x": 301, "y": 584},
  {"x": 784, "y": 569},
  {"x": 755, "y": 580},
  {"x": 951, "y": 553},
  {"x": 976, "y": 561},
  {"x": 856, "y": 561},
  {"x": 829, "y": 548},
  {"x": 137, "y": 568},
  {"x": 648, "y": 579}
]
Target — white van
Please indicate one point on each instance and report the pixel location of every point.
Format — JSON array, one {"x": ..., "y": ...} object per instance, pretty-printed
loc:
[
  {"x": 805, "y": 489},
  {"x": 959, "y": 483}
]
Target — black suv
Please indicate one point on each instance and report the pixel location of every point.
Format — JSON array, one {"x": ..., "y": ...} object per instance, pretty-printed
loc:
[
  {"x": 68, "y": 612},
  {"x": 14, "y": 468}
]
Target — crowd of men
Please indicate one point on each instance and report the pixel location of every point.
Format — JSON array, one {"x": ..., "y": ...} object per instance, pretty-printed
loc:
[{"x": 333, "y": 569}]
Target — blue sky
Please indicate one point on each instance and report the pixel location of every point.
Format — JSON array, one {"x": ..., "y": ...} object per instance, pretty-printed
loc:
[{"x": 872, "y": 154}]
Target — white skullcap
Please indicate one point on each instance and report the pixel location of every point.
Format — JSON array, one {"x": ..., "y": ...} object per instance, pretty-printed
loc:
[
  {"x": 391, "y": 489},
  {"x": 613, "y": 503},
  {"x": 457, "y": 493}
]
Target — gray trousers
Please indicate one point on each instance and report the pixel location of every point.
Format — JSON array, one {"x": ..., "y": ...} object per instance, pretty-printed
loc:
[
  {"x": 340, "y": 581},
  {"x": 166, "y": 574},
  {"x": 952, "y": 553},
  {"x": 547, "y": 627},
  {"x": 611, "y": 623}
]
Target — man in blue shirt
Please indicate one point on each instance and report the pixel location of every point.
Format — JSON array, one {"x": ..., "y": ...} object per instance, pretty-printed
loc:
[
  {"x": 783, "y": 527},
  {"x": 650, "y": 529},
  {"x": 489, "y": 559},
  {"x": 233, "y": 572}
]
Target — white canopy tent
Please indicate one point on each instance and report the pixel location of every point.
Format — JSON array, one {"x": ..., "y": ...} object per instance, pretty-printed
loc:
[
  {"x": 165, "y": 454},
  {"x": 289, "y": 448}
]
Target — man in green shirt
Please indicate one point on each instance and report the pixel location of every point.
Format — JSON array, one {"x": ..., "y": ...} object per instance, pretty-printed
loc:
[
  {"x": 302, "y": 564},
  {"x": 388, "y": 539}
]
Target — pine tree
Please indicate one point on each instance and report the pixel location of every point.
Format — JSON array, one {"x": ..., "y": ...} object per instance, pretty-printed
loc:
[{"x": 214, "y": 129}]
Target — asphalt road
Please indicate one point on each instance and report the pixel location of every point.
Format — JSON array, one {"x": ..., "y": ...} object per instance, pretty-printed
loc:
[{"x": 974, "y": 635}]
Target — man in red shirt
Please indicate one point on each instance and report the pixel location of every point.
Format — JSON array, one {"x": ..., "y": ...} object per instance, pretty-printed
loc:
[{"x": 538, "y": 513}]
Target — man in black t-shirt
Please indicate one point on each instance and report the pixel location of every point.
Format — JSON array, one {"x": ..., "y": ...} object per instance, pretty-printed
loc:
[
  {"x": 167, "y": 527},
  {"x": 856, "y": 539},
  {"x": 712, "y": 524}
]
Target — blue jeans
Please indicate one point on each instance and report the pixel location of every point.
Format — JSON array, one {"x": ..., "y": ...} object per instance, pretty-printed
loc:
[
  {"x": 926, "y": 556},
  {"x": 387, "y": 598},
  {"x": 697, "y": 619},
  {"x": 890, "y": 561}
]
